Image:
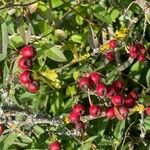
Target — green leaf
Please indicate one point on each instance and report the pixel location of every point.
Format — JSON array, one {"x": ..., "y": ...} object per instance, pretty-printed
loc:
[
  {"x": 148, "y": 78},
  {"x": 90, "y": 139},
  {"x": 55, "y": 54},
  {"x": 2, "y": 57},
  {"x": 56, "y": 3},
  {"x": 25, "y": 139},
  {"x": 76, "y": 38},
  {"x": 4, "y": 38},
  {"x": 114, "y": 14},
  {"x": 86, "y": 146},
  {"x": 9, "y": 140},
  {"x": 119, "y": 129},
  {"x": 79, "y": 19},
  {"x": 71, "y": 90}
]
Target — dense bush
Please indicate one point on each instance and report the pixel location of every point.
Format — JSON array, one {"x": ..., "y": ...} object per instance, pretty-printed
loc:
[{"x": 74, "y": 75}]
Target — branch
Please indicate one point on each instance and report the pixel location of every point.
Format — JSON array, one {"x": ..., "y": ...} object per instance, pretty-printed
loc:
[{"x": 18, "y": 5}]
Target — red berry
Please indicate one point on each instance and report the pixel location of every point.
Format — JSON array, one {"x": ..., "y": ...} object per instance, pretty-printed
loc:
[
  {"x": 124, "y": 111},
  {"x": 141, "y": 57},
  {"x": 110, "y": 91},
  {"x": 79, "y": 125},
  {"x": 133, "y": 48},
  {"x": 33, "y": 86},
  {"x": 147, "y": 110},
  {"x": 129, "y": 102},
  {"x": 101, "y": 89},
  {"x": 24, "y": 63},
  {"x": 25, "y": 77},
  {"x": 74, "y": 117},
  {"x": 133, "y": 54},
  {"x": 95, "y": 110},
  {"x": 118, "y": 85},
  {"x": 55, "y": 146},
  {"x": 1, "y": 129},
  {"x": 113, "y": 43},
  {"x": 95, "y": 77},
  {"x": 78, "y": 108},
  {"x": 134, "y": 94},
  {"x": 109, "y": 56},
  {"x": 110, "y": 113},
  {"x": 117, "y": 100},
  {"x": 28, "y": 51},
  {"x": 84, "y": 83},
  {"x": 141, "y": 48}
]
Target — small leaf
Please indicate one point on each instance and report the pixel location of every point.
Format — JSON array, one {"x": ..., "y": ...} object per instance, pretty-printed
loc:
[
  {"x": 114, "y": 14},
  {"x": 2, "y": 57},
  {"x": 4, "y": 38},
  {"x": 92, "y": 138},
  {"x": 79, "y": 19},
  {"x": 55, "y": 54},
  {"x": 76, "y": 38},
  {"x": 148, "y": 78}
]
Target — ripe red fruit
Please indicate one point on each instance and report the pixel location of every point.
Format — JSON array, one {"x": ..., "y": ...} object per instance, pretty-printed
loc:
[
  {"x": 133, "y": 48},
  {"x": 101, "y": 89},
  {"x": 55, "y": 146},
  {"x": 95, "y": 77},
  {"x": 124, "y": 111},
  {"x": 109, "y": 56},
  {"x": 1, "y": 129},
  {"x": 110, "y": 113},
  {"x": 129, "y": 102},
  {"x": 95, "y": 110},
  {"x": 33, "y": 86},
  {"x": 133, "y": 94},
  {"x": 113, "y": 43},
  {"x": 141, "y": 57},
  {"x": 79, "y": 125},
  {"x": 24, "y": 63},
  {"x": 110, "y": 91},
  {"x": 78, "y": 108},
  {"x": 25, "y": 77},
  {"x": 84, "y": 83},
  {"x": 147, "y": 110},
  {"x": 118, "y": 85},
  {"x": 133, "y": 54},
  {"x": 74, "y": 117},
  {"x": 141, "y": 48},
  {"x": 117, "y": 100},
  {"x": 28, "y": 51}
]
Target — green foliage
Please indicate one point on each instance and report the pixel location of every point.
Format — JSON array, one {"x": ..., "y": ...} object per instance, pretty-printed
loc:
[{"x": 71, "y": 39}]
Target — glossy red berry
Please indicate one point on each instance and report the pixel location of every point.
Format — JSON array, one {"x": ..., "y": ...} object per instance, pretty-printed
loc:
[
  {"x": 133, "y": 54},
  {"x": 141, "y": 48},
  {"x": 147, "y": 110},
  {"x": 110, "y": 113},
  {"x": 25, "y": 77},
  {"x": 133, "y": 48},
  {"x": 117, "y": 100},
  {"x": 118, "y": 85},
  {"x": 113, "y": 43},
  {"x": 74, "y": 117},
  {"x": 101, "y": 89},
  {"x": 55, "y": 146},
  {"x": 109, "y": 56},
  {"x": 28, "y": 51},
  {"x": 78, "y": 108},
  {"x": 79, "y": 125},
  {"x": 95, "y": 77},
  {"x": 1, "y": 129},
  {"x": 33, "y": 86},
  {"x": 133, "y": 94},
  {"x": 24, "y": 63},
  {"x": 141, "y": 57},
  {"x": 110, "y": 91},
  {"x": 129, "y": 102},
  {"x": 123, "y": 111},
  {"x": 95, "y": 110},
  {"x": 84, "y": 83}
]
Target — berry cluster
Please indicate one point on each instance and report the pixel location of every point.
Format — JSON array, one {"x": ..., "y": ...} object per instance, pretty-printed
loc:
[
  {"x": 137, "y": 51},
  {"x": 25, "y": 63},
  {"x": 110, "y": 54},
  {"x": 118, "y": 100}
]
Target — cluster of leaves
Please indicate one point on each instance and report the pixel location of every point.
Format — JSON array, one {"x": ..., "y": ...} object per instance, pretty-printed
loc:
[{"x": 71, "y": 39}]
